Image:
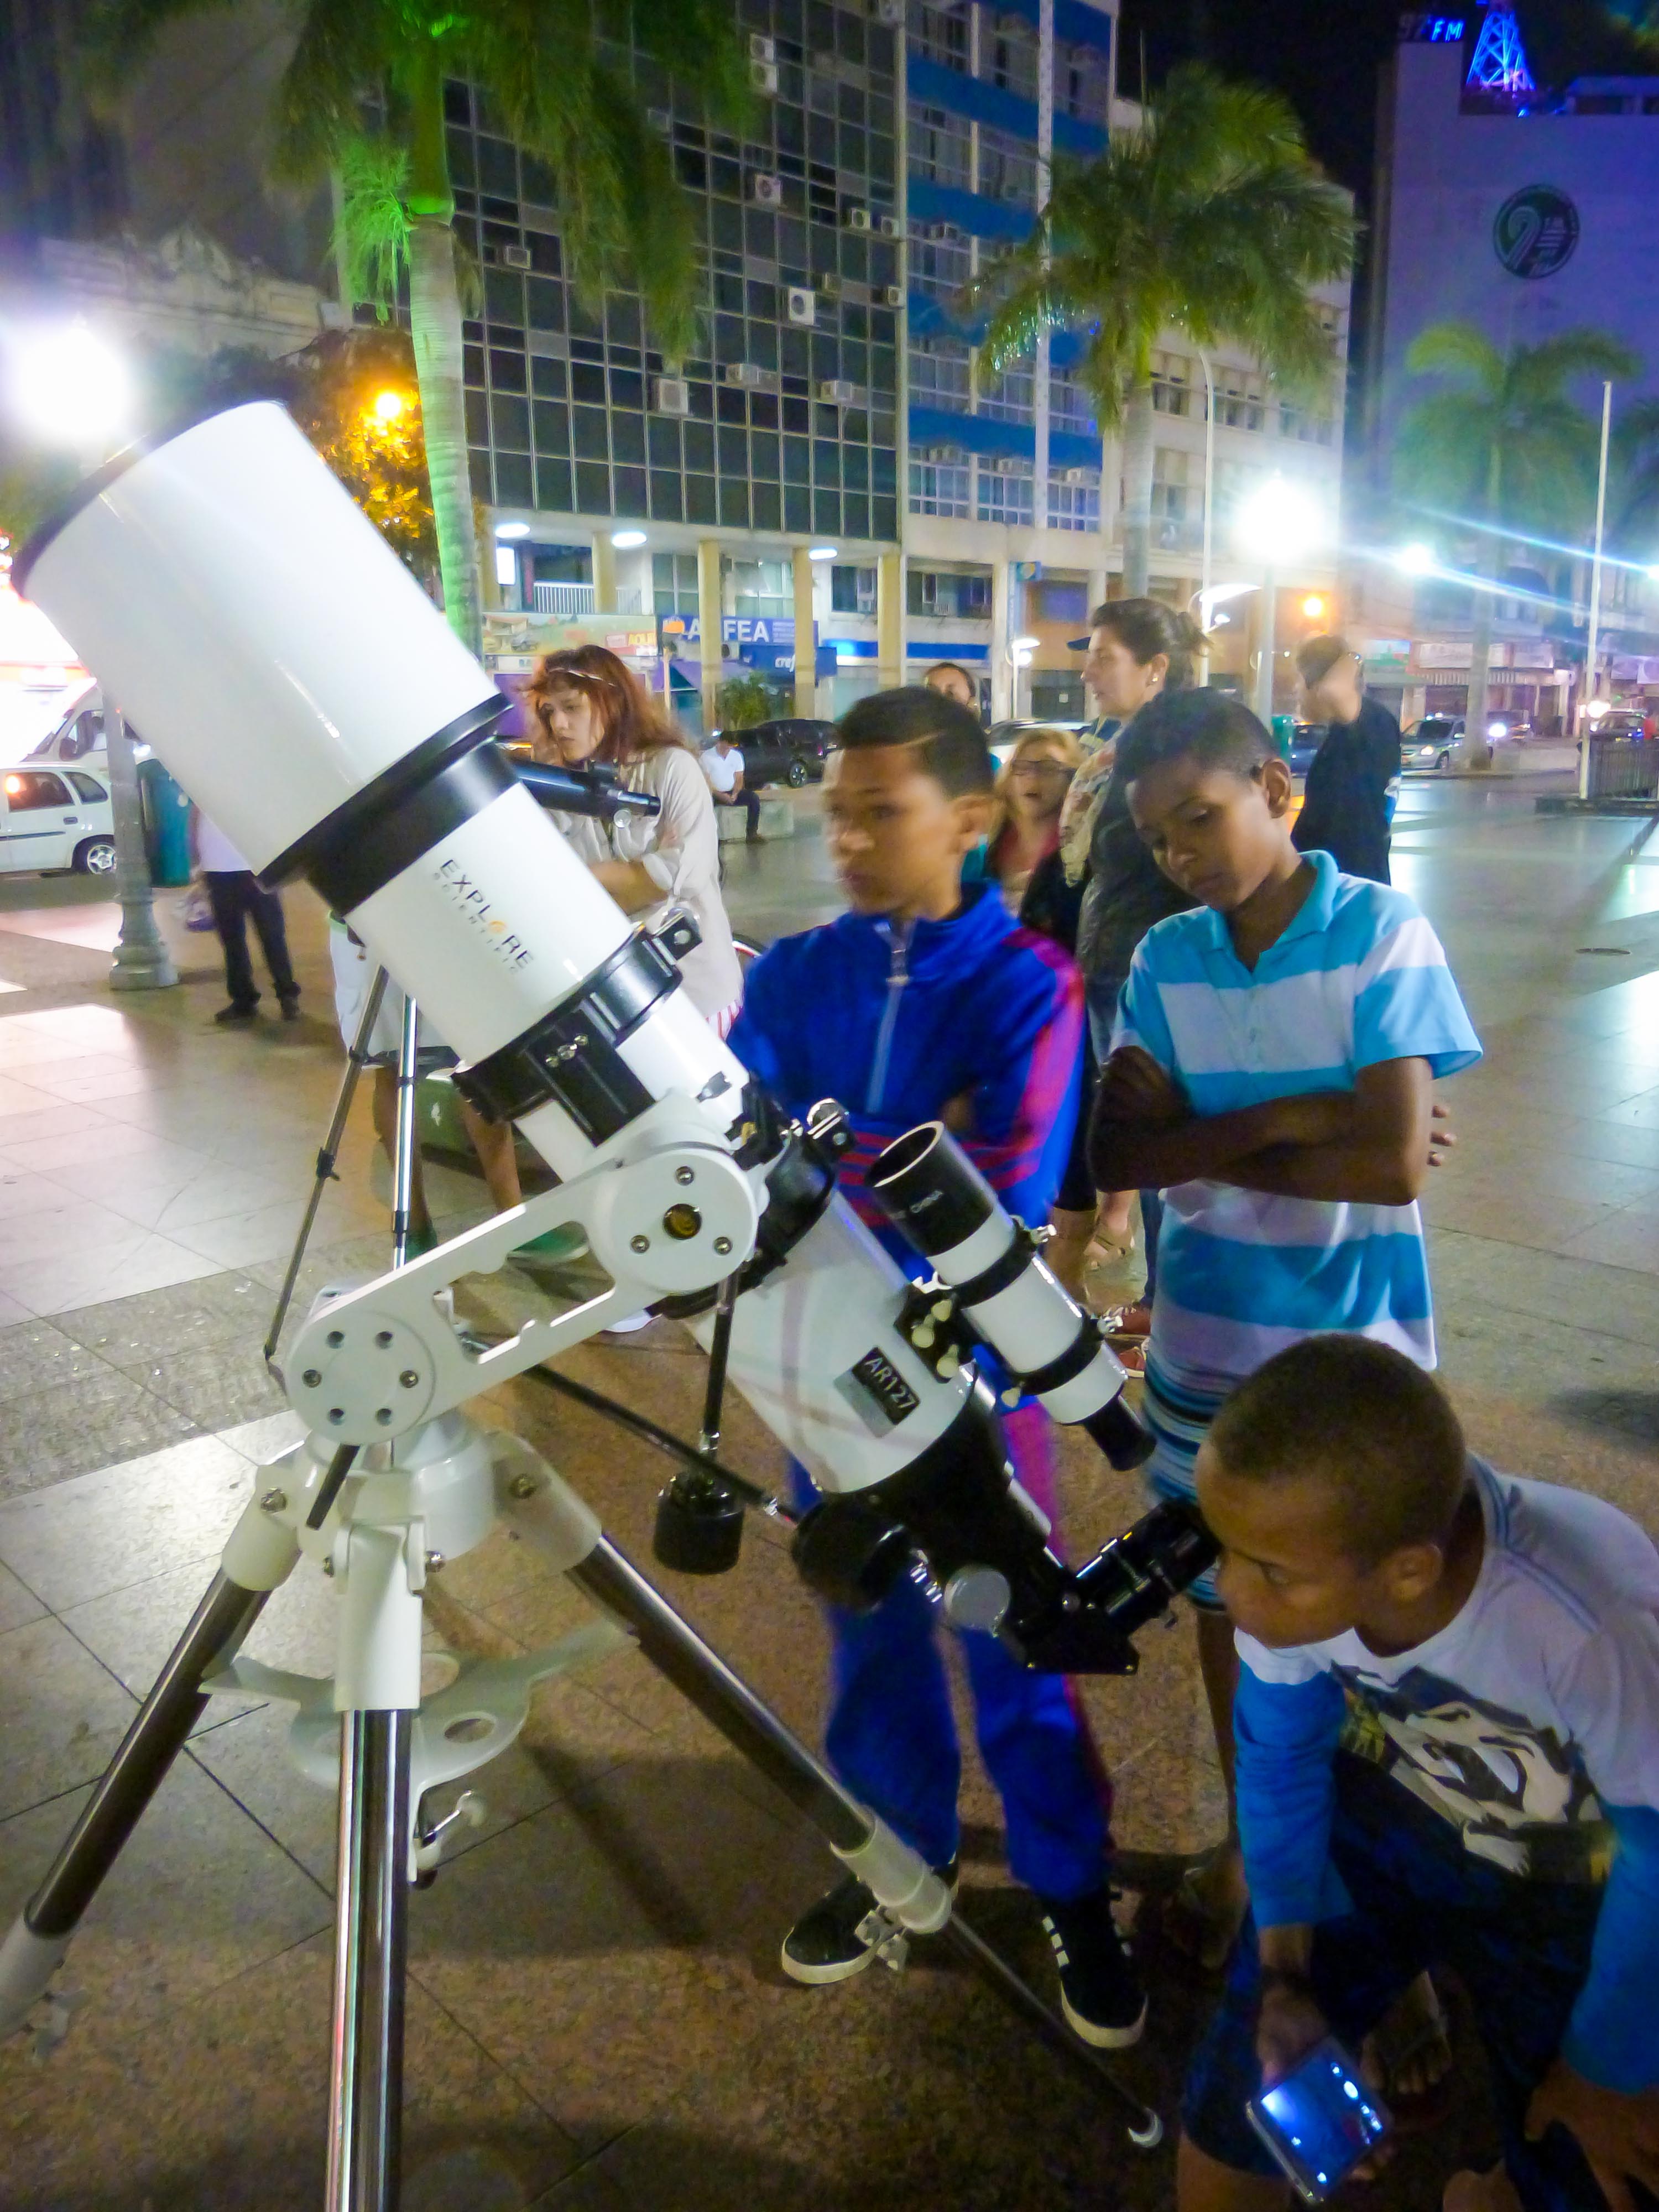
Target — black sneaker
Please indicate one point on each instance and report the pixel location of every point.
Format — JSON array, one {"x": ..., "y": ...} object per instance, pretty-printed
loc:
[
  {"x": 824, "y": 1945},
  {"x": 291, "y": 1010},
  {"x": 233, "y": 1016},
  {"x": 1100, "y": 1991}
]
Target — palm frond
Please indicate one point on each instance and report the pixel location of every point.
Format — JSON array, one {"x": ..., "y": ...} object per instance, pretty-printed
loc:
[
  {"x": 347, "y": 51},
  {"x": 371, "y": 236},
  {"x": 1457, "y": 350}
]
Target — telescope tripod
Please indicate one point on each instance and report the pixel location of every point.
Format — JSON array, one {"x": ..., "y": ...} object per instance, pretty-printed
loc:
[{"x": 379, "y": 1519}]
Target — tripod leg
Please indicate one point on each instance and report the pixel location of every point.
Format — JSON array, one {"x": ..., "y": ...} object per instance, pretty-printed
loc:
[
  {"x": 402, "y": 1167},
  {"x": 371, "y": 1926},
  {"x": 357, "y": 1059},
  {"x": 40, "y": 1935},
  {"x": 549, "y": 1516}
]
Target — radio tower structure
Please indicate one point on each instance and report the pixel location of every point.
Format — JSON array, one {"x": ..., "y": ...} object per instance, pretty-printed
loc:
[{"x": 1499, "y": 67}]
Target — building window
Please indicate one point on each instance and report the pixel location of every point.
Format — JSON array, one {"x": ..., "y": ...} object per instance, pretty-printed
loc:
[
  {"x": 1080, "y": 83},
  {"x": 940, "y": 370},
  {"x": 1239, "y": 404},
  {"x": 941, "y": 146},
  {"x": 1171, "y": 383},
  {"x": 674, "y": 583},
  {"x": 852, "y": 591},
  {"x": 1304, "y": 424},
  {"x": 950, "y": 594},
  {"x": 1004, "y": 492},
  {"x": 1008, "y": 56},
  {"x": 940, "y": 266},
  {"x": 1062, "y": 601},
  {"x": 1073, "y": 506},
  {"x": 941, "y": 487},
  {"x": 940, "y": 31},
  {"x": 1070, "y": 407},
  {"x": 762, "y": 587},
  {"x": 1007, "y": 167},
  {"x": 1012, "y": 396}
]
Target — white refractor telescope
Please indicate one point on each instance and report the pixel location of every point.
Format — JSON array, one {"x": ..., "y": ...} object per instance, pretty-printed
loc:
[{"x": 306, "y": 692}]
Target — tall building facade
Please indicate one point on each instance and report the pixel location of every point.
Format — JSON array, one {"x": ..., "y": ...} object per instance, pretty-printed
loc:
[
  {"x": 838, "y": 408},
  {"x": 1526, "y": 211}
]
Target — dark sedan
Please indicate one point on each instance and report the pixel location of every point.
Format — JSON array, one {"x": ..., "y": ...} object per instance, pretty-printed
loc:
[{"x": 791, "y": 750}]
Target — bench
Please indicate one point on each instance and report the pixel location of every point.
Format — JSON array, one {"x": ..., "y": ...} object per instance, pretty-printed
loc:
[{"x": 777, "y": 819}]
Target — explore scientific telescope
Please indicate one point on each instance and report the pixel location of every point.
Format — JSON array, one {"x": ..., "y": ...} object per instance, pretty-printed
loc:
[{"x": 223, "y": 588}]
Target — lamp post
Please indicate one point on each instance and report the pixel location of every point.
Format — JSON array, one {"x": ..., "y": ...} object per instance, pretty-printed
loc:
[
  {"x": 72, "y": 389},
  {"x": 1277, "y": 524},
  {"x": 1206, "y": 598}
]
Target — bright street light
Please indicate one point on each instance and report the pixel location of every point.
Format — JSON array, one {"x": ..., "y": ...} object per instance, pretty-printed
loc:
[
  {"x": 1279, "y": 523},
  {"x": 625, "y": 540},
  {"x": 388, "y": 406},
  {"x": 1597, "y": 708},
  {"x": 511, "y": 530},
  {"x": 1417, "y": 559},
  {"x": 821, "y": 552},
  {"x": 72, "y": 388},
  {"x": 1314, "y": 607}
]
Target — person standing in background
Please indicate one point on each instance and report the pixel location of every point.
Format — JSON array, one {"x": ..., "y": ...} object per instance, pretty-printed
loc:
[
  {"x": 951, "y": 681},
  {"x": 723, "y": 765},
  {"x": 236, "y": 896},
  {"x": 1346, "y": 811}
]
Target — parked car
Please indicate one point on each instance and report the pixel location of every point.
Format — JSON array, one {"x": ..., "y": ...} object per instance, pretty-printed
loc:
[
  {"x": 1620, "y": 722},
  {"x": 1438, "y": 744},
  {"x": 1003, "y": 737},
  {"x": 55, "y": 817},
  {"x": 791, "y": 750},
  {"x": 1306, "y": 739},
  {"x": 80, "y": 737}
]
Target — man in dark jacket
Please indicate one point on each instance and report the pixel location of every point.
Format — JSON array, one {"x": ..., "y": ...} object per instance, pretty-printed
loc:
[{"x": 1349, "y": 802}]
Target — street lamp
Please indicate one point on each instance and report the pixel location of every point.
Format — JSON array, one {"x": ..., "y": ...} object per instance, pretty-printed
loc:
[
  {"x": 1279, "y": 523},
  {"x": 388, "y": 407},
  {"x": 1417, "y": 559},
  {"x": 71, "y": 387},
  {"x": 1020, "y": 652}
]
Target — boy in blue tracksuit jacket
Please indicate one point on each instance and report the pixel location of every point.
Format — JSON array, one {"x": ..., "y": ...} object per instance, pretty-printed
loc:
[{"x": 928, "y": 1000}]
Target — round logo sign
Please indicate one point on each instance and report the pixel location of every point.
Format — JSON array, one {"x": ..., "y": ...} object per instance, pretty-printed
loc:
[{"x": 1536, "y": 231}]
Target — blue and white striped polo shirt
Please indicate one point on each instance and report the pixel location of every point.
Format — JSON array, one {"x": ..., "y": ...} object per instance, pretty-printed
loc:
[{"x": 1357, "y": 977}]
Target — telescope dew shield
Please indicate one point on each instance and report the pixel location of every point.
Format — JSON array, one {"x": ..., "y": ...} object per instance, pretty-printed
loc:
[
  {"x": 295, "y": 677},
  {"x": 934, "y": 1195}
]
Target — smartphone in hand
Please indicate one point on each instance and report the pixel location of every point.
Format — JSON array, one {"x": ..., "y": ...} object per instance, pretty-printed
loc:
[{"x": 1320, "y": 2121}]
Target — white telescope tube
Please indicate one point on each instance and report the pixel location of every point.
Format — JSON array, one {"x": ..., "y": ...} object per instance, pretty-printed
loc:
[{"x": 306, "y": 692}]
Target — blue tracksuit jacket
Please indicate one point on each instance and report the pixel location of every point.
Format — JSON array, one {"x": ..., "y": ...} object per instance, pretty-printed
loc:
[{"x": 898, "y": 1022}]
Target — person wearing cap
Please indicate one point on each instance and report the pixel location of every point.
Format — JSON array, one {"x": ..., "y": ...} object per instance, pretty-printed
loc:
[{"x": 1347, "y": 809}]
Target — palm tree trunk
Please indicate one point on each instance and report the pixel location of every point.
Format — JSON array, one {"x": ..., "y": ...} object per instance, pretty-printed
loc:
[
  {"x": 1137, "y": 420},
  {"x": 435, "y": 313}
]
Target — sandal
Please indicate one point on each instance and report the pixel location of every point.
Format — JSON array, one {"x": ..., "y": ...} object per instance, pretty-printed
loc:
[
  {"x": 1191, "y": 1922},
  {"x": 1413, "y": 2040}
]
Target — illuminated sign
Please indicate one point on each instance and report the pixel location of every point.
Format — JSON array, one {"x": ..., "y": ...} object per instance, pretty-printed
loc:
[{"x": 1433, "y": 30}]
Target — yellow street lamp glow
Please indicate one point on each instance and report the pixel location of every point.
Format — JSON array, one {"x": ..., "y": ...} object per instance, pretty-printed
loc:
[
  {"x": 1312, "y": 606},
  {"x": 388, "y": 406}
]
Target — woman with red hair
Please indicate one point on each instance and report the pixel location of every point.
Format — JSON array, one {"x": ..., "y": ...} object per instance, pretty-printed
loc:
[{"x": 584, "y": 706}]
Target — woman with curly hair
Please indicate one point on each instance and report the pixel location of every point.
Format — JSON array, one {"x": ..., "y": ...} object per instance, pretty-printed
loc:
[{"x": 583, "y": 706}]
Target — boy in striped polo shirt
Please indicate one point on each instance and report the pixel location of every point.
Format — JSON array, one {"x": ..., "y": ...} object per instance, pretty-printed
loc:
[{"x": 1272, "y": 1073}]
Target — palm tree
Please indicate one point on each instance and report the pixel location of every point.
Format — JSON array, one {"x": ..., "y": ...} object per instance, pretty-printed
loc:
[
  {"x": 1211, "y": 222},
  {"x": 363, "y": 95},
  {"x": 1504, "y": 446}
]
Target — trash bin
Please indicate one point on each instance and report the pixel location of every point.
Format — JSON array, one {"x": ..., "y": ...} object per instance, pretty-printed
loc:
[
  {"x": 1284, "y": 733},
  {"x": 166, "y": 826}
]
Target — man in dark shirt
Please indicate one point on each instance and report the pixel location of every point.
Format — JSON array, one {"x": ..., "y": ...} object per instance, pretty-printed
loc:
[{"x": 1346, "y": 811}]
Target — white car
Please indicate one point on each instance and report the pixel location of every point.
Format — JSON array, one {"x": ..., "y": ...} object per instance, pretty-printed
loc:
[
  {"x": 1439, "y": 746},
  {"x": 53, "y": 819}
]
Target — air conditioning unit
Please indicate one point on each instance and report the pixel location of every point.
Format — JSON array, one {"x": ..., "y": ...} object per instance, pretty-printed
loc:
[
  {"x": 761, "y": 48},
  {"x": 892, "y": 295},
  {"x": 672, "y": 395},
  {"x": 829, "y": 285},
  {"x": 1079, "y": 476},
  {"x": 767, "y": 191},
  {"x": 856, "y": 218},
  {"x": 801, "y": 306},
  {"x": 837, "y": 392},
  {"x": 763, "y": 75},
  {"x": 748, "y": 373},
  {"x": 515, "y": 257},
  {"x": 888, "y": 225}
]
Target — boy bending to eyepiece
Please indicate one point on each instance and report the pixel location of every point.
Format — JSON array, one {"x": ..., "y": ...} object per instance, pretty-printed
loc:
[{"x": 1448, "y": 1742}]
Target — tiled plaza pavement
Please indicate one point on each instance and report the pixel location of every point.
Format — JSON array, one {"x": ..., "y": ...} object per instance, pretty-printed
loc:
[{"x": 596, "y": 2016}]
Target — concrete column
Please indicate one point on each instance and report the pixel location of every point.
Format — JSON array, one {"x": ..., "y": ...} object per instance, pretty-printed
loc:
[
  {"x": 1001, "y": 631},
  {"x": 142, "y": 962},
  {"x": 890, "y": 620},
  {"x": 710, "y": 607},
  {"x": 1097, "y": 581},
  {"x": 806, "y": 658},
  {"x": 605, "y": 574}
]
